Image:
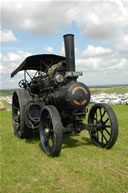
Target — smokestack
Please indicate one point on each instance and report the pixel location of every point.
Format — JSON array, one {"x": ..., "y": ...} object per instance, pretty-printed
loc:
[{"x": 69, "y": 51}]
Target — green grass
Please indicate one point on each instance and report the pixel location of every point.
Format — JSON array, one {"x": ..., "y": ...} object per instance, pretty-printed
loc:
[
  {"x": 80, "y": 168},
  {"x": 6, "y": 92},
  {"x": 118, "y": 90}
]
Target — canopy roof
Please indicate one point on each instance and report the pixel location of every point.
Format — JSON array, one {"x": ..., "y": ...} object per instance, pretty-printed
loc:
[{"x": 38, "y": 62}]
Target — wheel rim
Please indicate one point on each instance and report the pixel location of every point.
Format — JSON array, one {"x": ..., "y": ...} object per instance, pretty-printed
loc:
[
  {"x": 102, "y": 130},
  {"x": 47, "y": 132},
  {"x": 16, "y": 115}
]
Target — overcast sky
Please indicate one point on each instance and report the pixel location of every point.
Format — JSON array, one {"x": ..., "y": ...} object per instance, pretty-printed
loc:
[{"x": 37, "y": 27}]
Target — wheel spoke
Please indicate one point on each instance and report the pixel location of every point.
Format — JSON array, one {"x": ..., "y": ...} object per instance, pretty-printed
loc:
[
  {"x": 100, "y": 112},
  {"x": 49, "y": 123},
  {"x": 109, "y": 126},
  {"x": 106, "y": 120},
  {"x": 103, "y": 114},
  {"x": 95, "y": 119},
  {"x": 50, "y": 142},
  {"x": 107, "y": 132},
  {"x": 46, "y": 139},
  {"x": 95, "y": 116},
  {"x": 103, "y": 136}
]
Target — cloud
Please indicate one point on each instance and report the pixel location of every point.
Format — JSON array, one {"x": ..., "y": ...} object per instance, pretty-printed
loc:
[
  {"x": 37, "y": 17},
  {"x": 98, "y": 59},
  {"x": 105, "y": 63},
  {"x": 13, "y": 60},
  {"x": 9, "y": 63},
  {"x": 92, "y": 51},
  {"x": 103, "y": 71},
  {"x": 7, "y": 36},
  {"x": 97, "y": 20},
  {"x": 49, "y": 49},
  {"x": 103, "y": 21},
  {"x": 122, "y": 45},
  {"x": 98, "y": 69}
]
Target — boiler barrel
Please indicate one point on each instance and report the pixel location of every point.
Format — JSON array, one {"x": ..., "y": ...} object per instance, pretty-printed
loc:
[{"x": 74, "y": 96}]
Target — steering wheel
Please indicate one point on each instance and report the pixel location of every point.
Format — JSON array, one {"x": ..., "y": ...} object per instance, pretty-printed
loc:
[{"x": 23, "y": 83}]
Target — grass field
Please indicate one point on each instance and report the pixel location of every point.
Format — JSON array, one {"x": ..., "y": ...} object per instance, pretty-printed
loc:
[
  {"x": 118, "y": 90},
  {"x": 80, "y": 168},
  {"x": 6, "y": 93}
]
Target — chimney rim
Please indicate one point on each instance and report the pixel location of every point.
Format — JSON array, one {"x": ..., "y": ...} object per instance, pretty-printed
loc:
[{"x": 68, "y": 35}]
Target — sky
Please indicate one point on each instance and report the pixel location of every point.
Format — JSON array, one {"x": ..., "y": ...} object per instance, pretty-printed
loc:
[{"x": 100, "y": 29}]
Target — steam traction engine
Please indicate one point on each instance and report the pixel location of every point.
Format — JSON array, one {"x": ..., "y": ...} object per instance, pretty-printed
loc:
[{"x": 53, "y": 102}]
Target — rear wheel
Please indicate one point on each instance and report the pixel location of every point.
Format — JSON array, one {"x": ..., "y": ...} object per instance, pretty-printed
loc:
[
  {"x": 18, "y": 115},
  {"x": 51, "y": 132},
  {"x": 104, "y": 130}
]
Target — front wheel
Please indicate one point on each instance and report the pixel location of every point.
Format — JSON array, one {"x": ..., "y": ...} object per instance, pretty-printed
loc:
[
  {"x": 104, "y": 130},
  {"x": 51, "y": 132}
]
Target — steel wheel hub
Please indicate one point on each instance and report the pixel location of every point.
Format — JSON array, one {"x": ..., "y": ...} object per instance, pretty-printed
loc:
[{"x": 47, "y": 131}]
